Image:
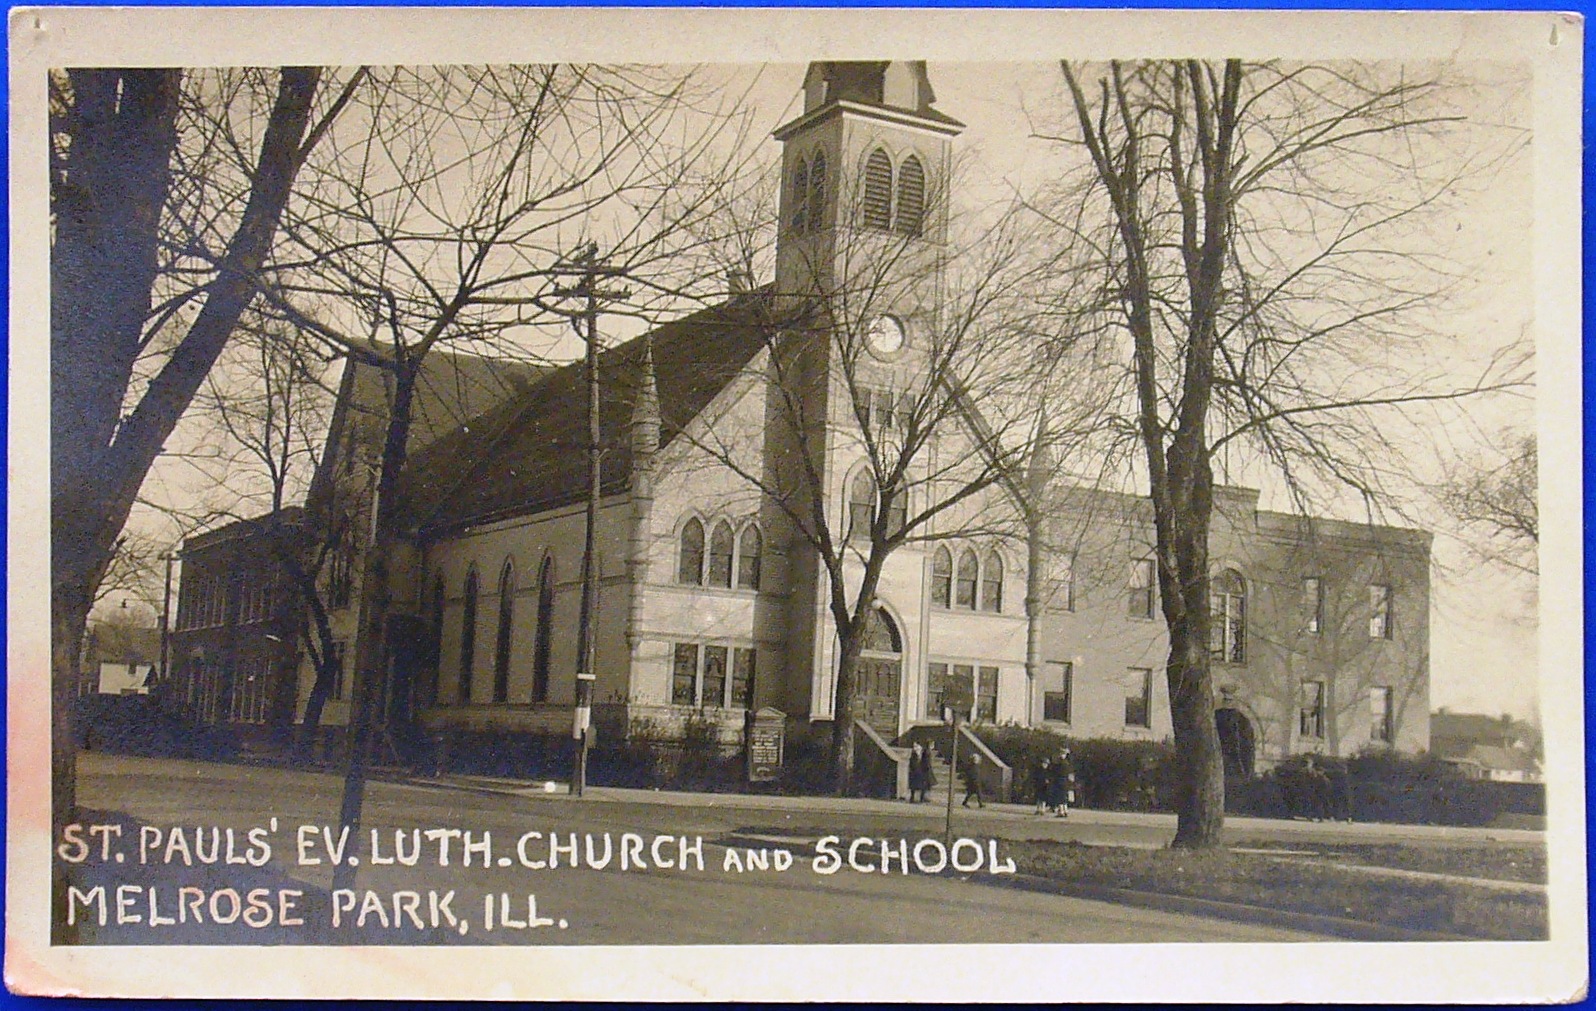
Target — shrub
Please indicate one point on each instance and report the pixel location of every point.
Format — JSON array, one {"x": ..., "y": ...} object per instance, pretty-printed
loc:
[
  {"x": 1374, "y": 785},
  {"x": 1109, "y": 774}
]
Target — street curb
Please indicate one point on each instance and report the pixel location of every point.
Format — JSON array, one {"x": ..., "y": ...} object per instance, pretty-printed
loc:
[{"x": 1235, "y": 912}]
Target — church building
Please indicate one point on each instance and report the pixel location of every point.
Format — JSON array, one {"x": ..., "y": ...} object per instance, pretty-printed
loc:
[{"x": 712, "y": 604}]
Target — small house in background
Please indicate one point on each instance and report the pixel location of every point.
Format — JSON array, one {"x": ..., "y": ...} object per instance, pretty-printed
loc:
[{"x": 119, "y": 659}]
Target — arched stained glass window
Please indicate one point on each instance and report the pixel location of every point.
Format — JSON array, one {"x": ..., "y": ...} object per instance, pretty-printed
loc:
[
  {"x": 545, "y": 633},
  {"x": 501, "y": 643},
  {"x": 881, "y": 633},
  {"x": 911, "y": 197},
  {"x": 749, "y": 548},
  {"x": 969, "y": 573},
  {"x": 720, "y": 555},
  {"x": 690, "y": 567},
  {"x": 942, "y": 577},
  {"x": 876, "y": 205},
  {"x": 992, "y": 583},
  {"x": 468, "y": 634}
]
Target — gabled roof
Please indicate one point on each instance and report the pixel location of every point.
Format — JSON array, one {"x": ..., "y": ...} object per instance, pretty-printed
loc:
[{"x": 527, "y": 455}]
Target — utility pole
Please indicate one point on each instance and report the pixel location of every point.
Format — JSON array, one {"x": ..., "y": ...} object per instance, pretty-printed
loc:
[
  {"x": 587, "y": 268},
  {"x": 166, "y": 625}
]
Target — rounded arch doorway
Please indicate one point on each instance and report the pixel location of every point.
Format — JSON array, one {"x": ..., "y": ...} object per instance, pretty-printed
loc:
[{"x": 878, "y": 677}]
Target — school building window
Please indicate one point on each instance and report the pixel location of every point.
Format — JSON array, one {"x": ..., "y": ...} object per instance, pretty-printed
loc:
[
  {"x": 1227, "y": 628},
  {"x": 1139, "y": 698},
  {"x": 1379, "y": 611},
  {"x": 1313, "y": 604},
  {"x": 248, "y": 704},
  {"x": 1139, "y": 598},
  {"x": 1058, "y": 691},
  {"x": 1310, "y": 715},
  {"x": 982, "y": 680},
  {"x": 986, "y": 693},
  {"x": 1380, "y": 715},
  {"x": 711, "y": 675},
  {"x": 729, "y": 555}
]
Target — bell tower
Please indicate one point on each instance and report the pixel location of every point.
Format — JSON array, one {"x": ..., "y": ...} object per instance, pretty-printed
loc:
[
  {"x": 862, "y": 239},
  {"x": 864, "y": 176}
]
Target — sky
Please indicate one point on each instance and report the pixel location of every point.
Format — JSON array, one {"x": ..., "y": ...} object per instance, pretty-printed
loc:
[{"x": 1483, "y": 626}]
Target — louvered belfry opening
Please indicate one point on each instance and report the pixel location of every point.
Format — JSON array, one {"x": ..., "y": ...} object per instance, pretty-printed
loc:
[
  {"x": 911, "y": 197},
  {"x": 817, "y": 192},
  {"x": 877, "y": 205},
  {"x": 800, "y": 197}
]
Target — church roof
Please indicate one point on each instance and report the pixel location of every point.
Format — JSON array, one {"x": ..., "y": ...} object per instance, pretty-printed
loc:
[{"x": 527, "y": 454}]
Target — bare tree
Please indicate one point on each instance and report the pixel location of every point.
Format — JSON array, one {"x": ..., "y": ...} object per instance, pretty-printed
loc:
[
  {"x": 1494, "y": 497},
  {"x": 269, "y": 400},
  {"x": 1267, "y": 234},
  {"x": 440, "y": 214},
  {"x": 134, "y": 325}
]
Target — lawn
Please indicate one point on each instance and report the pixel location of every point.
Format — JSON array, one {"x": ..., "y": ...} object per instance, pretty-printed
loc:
[
  {"x": 1302, "y": 886},
  {"x": 1320, "y": 884},
  {"x": 1498, "y": 862}
]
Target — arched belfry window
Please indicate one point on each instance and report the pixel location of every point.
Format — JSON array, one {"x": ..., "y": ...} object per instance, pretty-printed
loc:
[
  {"x": 690, "y": 567},
  {"x": 545, "y": 634},
  {"x": 501, "y": 642},
  {"x": 877, "y": 203},
  {"x": 817, "y": 192},
  {"x": 749, "y": 548},
  {"x": 911, "y": 197},
  {"x": 942, "y": 577},
  {"x": 992, "y": 583},
  {"x": 800, "y": 196},
  {"x": 468, "y": 633},
  {"x": 1227, "y": 631},
  {"x": 720, "y": 556}
]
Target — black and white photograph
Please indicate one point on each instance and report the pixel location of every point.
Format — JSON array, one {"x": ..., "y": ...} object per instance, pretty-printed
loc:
[{"x": 795, "y": 504}]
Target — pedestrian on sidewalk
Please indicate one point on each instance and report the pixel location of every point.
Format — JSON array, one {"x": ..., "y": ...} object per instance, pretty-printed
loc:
[
  {"x": 1042, "y": 782},
  {"x": 972, "y": 780},
  {"x": 928, "y": 776},
  {"x": 1063, "y": 784},
  {"x": 916, "y": 774}
]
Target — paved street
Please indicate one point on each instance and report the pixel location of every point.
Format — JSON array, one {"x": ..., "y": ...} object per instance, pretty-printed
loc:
[{"x": 637, "y": 905}]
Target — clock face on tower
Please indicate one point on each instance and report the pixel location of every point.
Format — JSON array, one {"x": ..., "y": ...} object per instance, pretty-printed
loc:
[{"x": 884, "y": 335}]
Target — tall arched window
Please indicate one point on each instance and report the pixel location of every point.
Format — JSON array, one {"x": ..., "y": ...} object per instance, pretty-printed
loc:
[
  {"x": 545, "y": 633},
  {"x": 1227, "y": 633},
  {"x": 720, "y": 555},
  {"x": 942, "y": 577},
  {"x": 749, "y": 548},
  {"x": 800, "y": 196},
  {"x": 911, "y": 197},
  {"x": 468, "y": 633},
  {"x": 501, "y": 642},
  {"x": 690, "y": 568},
  {"x": 428, "y": 694},
  {"x": 992, "y": 583},
  {"x": 876, "y": 206},
  {"x": 969, "y": 574},
  {"x": 817, "y": 192},
  {"x": 861, "y": 504}
]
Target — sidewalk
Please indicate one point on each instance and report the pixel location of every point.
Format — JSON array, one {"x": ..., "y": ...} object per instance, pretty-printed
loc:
[{"x": 995, "y": 816}]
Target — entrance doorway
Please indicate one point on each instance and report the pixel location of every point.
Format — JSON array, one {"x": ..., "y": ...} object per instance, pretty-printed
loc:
[{"x": 879, "y": 676}]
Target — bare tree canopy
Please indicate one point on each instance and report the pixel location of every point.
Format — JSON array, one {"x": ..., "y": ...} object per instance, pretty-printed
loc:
[
  {"x": 1265, "y": 235},
  {"x": 1494, "y": 498}
]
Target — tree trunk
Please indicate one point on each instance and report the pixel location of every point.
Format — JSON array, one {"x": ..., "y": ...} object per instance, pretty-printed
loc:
[
  {"x": 376, "y": 601},
  {"x": 842, "y": 715}
]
